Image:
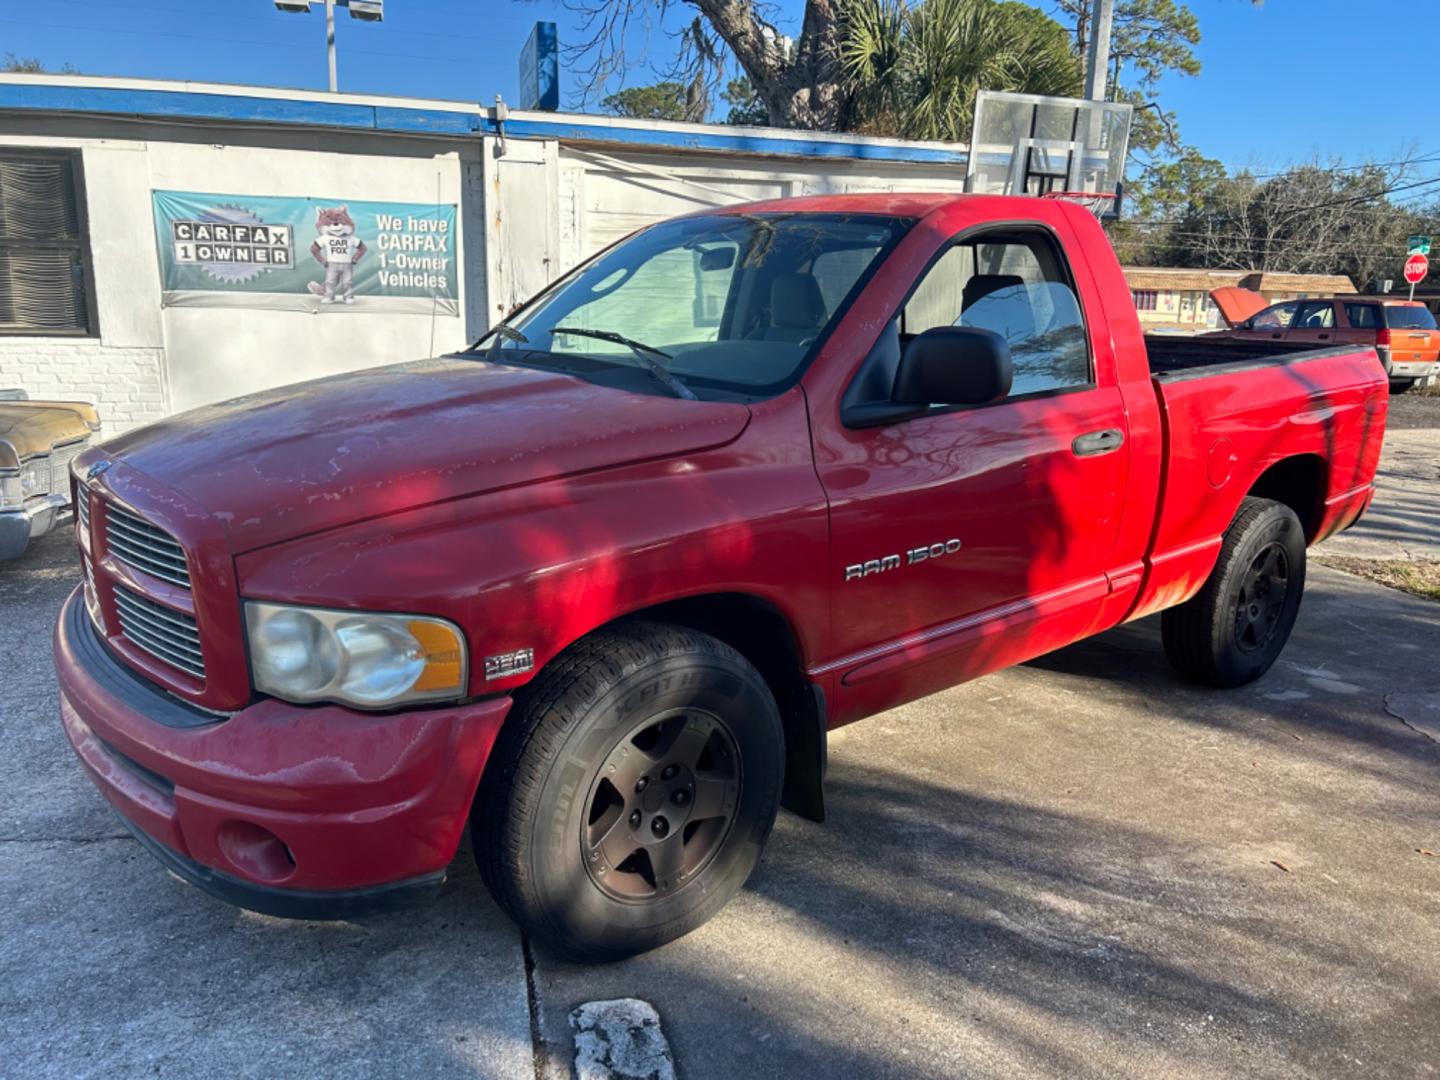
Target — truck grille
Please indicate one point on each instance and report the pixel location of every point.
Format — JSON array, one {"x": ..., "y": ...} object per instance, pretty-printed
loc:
[
  {"x": 82, "y": 507},
  {"x": 164, "y": 633},
  {"x": 143, "y": 546}
]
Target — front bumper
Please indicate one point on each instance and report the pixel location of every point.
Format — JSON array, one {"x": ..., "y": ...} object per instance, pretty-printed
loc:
[
  {"x": 314, "y": 812},
  {"x": 36, "y": 518}
]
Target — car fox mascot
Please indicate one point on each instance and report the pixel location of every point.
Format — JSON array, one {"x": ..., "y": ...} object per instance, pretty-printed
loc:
[{"x": 338, "y": 250}]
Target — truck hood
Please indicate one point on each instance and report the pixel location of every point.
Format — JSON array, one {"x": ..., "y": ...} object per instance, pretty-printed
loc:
[
  {"x": 301, "y": 459},
  {"x": 1237, "y": 304}
]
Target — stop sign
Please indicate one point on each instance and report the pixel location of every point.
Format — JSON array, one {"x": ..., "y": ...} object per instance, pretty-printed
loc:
[{"x": 1416, "y": 267}]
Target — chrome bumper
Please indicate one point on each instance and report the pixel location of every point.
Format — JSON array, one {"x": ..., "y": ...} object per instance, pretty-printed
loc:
[{"x": 37, "y": 517}]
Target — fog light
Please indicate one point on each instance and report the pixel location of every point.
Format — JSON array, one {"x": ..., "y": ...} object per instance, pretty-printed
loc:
[{"x": 255, "y": 851}]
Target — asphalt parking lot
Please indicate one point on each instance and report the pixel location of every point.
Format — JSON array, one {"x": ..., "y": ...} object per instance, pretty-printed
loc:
[{"x": 1077, "y": 867}]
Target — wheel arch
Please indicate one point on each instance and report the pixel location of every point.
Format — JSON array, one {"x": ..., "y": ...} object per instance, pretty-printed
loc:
[
  {"x": 1298, "y": 482},
  {"x": 763, "y": 634}
]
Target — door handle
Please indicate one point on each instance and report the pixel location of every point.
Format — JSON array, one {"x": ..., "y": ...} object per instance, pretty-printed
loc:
[
  {"x": 1323, "y": 337},
  {"x": 1095, "y": 443},
  {"x": 1277, "y": 335}
]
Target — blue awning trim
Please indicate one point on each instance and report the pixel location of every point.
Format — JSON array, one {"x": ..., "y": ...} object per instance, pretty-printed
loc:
[{"x": 247, "y": 108}]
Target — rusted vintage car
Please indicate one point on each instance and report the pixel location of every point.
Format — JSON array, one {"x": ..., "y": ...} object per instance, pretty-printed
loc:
[{"x": 38, "y": 440}]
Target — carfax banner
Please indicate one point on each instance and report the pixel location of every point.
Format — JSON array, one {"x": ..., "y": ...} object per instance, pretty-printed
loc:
[{"x": 306, "y": 254}]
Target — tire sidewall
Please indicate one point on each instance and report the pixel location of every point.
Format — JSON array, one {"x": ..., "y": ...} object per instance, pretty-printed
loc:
[
  {"x": 1233, "y": 664},
  {"x": 568, "y": 900}
]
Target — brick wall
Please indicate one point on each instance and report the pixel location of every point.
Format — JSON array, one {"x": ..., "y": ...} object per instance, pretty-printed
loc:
[{"x": 127, "y": 384}]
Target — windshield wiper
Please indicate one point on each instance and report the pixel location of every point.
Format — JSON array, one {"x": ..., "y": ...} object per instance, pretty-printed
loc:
[
  {"x": 500, "y": 332},
  {"x": 644, "y": 353}
]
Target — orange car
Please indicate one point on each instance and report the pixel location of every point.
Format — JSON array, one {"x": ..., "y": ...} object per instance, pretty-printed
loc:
[{"x": 1403, "y": 332}]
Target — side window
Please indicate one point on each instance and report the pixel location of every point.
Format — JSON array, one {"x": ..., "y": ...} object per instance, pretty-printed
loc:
[
  {"x": 1278, "y": 317},
  {"x": 1363, "y": 316},
  {"x": 1019, "y": 287},
  {"x": 1314, "y": 316}
]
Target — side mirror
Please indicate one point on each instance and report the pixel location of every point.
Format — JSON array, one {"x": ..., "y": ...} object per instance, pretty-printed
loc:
[
  {"x": 954, "y": 365},
  {"x": 717, "y": 258}
]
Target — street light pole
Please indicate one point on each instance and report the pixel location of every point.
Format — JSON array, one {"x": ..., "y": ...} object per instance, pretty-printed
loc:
[
  {"x": 330, "y": 44},
  {"x": 365, "y": 10},
  {"x": 1097, "y": 58}
]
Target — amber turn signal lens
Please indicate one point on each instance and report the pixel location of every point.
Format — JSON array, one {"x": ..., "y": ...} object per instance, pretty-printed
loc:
[{"x": 444, "y": 656}]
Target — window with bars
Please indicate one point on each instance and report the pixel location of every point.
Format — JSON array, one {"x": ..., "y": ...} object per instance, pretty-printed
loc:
[
  {"x": 1146, "y": 299},
  {"x": 45, "y": 281}
]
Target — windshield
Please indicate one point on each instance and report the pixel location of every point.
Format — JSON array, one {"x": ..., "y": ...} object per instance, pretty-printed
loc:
[
  {"x": 1405, "y": 317},
  {"x": 724, "y": 305}
]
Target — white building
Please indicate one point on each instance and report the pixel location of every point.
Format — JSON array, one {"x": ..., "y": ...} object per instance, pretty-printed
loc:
[{"x": 112, "y": 192}]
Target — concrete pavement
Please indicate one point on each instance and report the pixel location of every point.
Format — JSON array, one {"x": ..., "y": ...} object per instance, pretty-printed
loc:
[
  {"x": 1403, "y": 522},
  {"x": 1077, "y": 867}
]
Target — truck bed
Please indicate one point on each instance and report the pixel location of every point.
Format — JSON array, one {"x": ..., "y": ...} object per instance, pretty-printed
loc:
[{"x": 1176, "y": 356}]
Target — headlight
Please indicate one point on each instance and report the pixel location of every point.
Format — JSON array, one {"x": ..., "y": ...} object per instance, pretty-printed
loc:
[
  {"x": 10, "y": 493},
  {"x": 369, "y": 660},
  {"x": 34, "y": 478}
]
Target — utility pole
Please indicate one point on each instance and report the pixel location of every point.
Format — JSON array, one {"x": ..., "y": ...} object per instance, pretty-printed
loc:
[{"x": 1097, "y": 55}]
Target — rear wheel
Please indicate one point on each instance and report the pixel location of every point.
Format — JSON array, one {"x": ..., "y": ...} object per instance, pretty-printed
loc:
[
  {"x": 1400, "y": 386},
  {"x": 1234, "y": 628},
  {"x": 631, "y": 792}
]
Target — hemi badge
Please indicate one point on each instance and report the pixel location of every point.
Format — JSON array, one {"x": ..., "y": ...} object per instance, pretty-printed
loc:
[{"x": 509, "y": 663}]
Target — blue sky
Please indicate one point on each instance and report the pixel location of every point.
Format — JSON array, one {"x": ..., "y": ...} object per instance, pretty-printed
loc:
[{"x": 1283, "y": 81}]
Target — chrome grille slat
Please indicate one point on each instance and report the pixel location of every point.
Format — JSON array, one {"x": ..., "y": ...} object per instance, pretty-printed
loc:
[
  {"x": 145, "y": 547},
  {"x": 135, "y": 525},
  {"x": 156, "y": 647},
  {"x": 82, "y": 507},
  {"x": 168, "y": 635},
  {"x": 165, "y": 571},
  {"x": 150, "y": 545},
  {"x": 180, "y": 621}
]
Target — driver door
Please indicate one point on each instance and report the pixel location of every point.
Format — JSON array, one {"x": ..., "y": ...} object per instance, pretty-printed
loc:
[{"x": 968, "y": 538}]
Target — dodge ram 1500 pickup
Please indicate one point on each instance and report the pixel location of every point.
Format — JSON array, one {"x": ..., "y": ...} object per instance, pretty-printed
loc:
[{"x": 599, "y": 585}]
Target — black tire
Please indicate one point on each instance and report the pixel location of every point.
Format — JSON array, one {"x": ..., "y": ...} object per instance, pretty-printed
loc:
[
  {"x": 638, "y": 698},
  {"x": 1231, "y": 631},
  {"x": 1400, "y": 386}
]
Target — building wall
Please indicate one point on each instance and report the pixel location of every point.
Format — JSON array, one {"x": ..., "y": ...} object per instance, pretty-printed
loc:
[
  {"x": 147, "y": 360},
  {"x": 532, "y": 205}
]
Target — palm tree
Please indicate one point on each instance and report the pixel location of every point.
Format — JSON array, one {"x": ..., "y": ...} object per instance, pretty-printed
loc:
[{"x": 914, "y": 68}]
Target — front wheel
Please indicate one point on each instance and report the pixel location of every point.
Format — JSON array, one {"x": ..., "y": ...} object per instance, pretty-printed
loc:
[
  {"x": 631, "y": 791},
  {"x": 1233, "y": 629}
]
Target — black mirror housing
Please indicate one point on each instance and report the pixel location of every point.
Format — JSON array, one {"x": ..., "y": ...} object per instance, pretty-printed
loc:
[
  {"x": 954, "y": 365},
  {"x": 717, "y": 258}
]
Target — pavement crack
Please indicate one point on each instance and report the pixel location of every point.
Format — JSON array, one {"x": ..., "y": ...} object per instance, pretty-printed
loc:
[
  {"x": 1419, "y": 711},
  {"x": 65, "y": 839},
  {"x": 532, "y": 1001}
]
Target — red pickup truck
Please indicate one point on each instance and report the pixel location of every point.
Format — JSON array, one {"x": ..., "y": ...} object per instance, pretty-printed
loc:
[{"x": 600, "y": 585}]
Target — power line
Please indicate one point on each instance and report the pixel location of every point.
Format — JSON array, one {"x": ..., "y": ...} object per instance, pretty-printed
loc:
[
  {"x": 468, "y": 61},
  {"x": 487, "y": 38},
  {"x": 1335, "y": 168}
]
